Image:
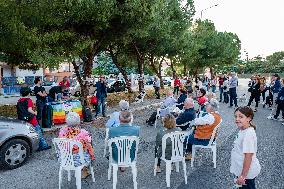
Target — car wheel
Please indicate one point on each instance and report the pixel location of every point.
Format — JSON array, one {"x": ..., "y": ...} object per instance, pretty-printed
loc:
[
  {"x": 77, "y": 94},
  {"x": 14, "y": 154}
]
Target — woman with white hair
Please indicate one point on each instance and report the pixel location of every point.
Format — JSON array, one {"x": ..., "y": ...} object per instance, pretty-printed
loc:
[
  {"x": 72, "y": 131},
  {"x": 114, "y": 118}
]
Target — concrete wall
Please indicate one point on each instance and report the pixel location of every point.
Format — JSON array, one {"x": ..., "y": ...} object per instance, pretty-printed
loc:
[{"x": 23, "y": 73}]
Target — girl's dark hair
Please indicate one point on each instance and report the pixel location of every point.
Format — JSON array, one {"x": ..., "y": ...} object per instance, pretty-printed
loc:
[
  {"x": 37, "y": 79},
  {"x": 248, "y": 112},
  {"x": 202, "y": 91}
]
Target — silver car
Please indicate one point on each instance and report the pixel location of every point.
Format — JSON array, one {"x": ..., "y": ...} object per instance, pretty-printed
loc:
[{"x": 18, "y": 140}]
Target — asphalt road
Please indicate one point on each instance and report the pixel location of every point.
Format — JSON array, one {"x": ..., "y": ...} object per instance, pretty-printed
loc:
[{"x": 41, "y": 171}]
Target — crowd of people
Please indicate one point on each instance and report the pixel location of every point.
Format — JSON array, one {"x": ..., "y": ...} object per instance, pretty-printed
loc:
[
  {"x": 195, "y": 109},
  {"x": 271, "y": 93}
]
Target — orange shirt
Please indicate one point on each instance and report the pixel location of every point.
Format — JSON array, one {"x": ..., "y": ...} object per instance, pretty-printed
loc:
[{"x": 205, "y": 131}]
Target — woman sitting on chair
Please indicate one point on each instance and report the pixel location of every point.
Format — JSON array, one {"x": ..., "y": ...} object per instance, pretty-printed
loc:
[
  {"x": 72, "y": 131},
  {"x": 204, "y": 126},
  {"x": 169, "y": 126}
]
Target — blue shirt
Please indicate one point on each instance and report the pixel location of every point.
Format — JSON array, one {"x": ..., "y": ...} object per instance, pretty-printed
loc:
[
  {"x": 123, "y": 130},
  {"x": 186, "y": 116},
  {"x": 101, "y": 90},
  {"x": 113, "y": 120}
]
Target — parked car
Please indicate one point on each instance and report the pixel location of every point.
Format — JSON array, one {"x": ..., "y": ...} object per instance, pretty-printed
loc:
[
  {"x": 149, "y": 81},
  {"x": 17, "y": 141},
  {"x": 76, "y": 89},
  {"x": 115, "y": 85},
  {"x": 167, "y": 81}
]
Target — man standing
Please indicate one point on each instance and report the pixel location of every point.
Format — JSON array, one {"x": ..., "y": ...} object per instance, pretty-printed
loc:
[
  {"x": 233, "y": 83},
  {"x": 101, "y": 95},
  {"x": 40, "y": 98},
  {"x": 275, "y": 87},
  {"x": 157, "y": 86},
  {"x": 186, "y": 116}
]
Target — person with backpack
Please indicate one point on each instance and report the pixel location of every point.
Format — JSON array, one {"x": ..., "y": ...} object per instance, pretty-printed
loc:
[{"x": 26, "y": 113}]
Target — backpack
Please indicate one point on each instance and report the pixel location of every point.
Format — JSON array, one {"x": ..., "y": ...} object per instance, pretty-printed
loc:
[
  {"x": 87, "y": 114},
  {"x": 22, "y": 111}
]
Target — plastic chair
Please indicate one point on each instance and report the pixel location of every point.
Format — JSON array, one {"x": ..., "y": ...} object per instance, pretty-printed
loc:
[
  {"x": 106, "y": 141},
  {"x": 177, "y": 139},
  {"x": 123, "y": 145},
  {"x": 64, "y": 149},
  {"x": 211, "y": 145}
]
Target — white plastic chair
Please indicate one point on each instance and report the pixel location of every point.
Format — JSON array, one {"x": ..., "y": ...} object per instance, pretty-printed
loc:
[
  {"x": 106, "y": 141},
  {"x": 64, "y": 149},
  {"x": 177, "y": 139},
  {"x": 211, "y": 145},
  {"x": 123, "y": 145}
]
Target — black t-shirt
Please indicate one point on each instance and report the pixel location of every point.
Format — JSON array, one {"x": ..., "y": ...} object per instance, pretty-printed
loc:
[
  {"x": 38, "y": 89},
  {"x": 54, "y": 90}
]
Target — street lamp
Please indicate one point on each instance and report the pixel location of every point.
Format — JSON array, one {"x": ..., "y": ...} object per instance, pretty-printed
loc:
[{"x": 207, "y": 9}]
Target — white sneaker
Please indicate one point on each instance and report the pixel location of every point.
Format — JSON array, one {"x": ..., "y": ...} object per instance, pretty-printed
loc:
[
  {"x": 270, "y": 117},
  {"x": 281, "y": 119}
]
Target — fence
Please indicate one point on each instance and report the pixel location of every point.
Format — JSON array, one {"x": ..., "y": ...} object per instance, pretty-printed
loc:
[{"x": 12, "y": 85}]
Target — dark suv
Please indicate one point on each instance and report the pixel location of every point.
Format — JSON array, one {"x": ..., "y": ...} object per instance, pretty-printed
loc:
[{"x": 115, "y": 86}]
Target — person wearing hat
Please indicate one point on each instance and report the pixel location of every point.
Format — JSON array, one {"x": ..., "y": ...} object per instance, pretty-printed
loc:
[
  {"x": 114, "y": 118},
  {"x": 26, "y": 113},
  {"x": 204, "y": 123},
  {"x": 275, "y": 87}
]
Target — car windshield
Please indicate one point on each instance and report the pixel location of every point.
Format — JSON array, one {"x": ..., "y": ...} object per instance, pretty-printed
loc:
[{"x": 109, "y": 81}]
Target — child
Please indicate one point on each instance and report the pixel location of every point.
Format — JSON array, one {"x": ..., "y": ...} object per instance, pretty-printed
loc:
[
  {"x": 25, "y": 112},
  {"x": 72, "y": 131},
  {"x": 244, "y": 164},
  {"x": 202, "y": 99},
  {"x": 169, "y": 126}
]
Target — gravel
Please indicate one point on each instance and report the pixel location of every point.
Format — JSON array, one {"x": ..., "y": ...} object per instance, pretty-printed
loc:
[{"x": 41, "y": 171}]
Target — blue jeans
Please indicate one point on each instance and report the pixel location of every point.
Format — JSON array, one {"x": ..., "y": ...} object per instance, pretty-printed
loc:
[
  {"x": 221, "y": 93},
  {"x": 190, "y": 140},
  {"x": 213, "y": 88},
  {"x": 233, "y": 96},
  {"x": 39, "y": 108},
  {"x": 42, "y": 143},
  {"x": 101, "y": 102},
  {"x": 250, "y": 184}
]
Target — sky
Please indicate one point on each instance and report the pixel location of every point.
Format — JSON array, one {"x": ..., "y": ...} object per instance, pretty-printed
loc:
[{"x": 258, "y": 23}]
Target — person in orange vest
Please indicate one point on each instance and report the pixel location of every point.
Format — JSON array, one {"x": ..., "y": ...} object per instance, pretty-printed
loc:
[{"x": 205, "y": 122}]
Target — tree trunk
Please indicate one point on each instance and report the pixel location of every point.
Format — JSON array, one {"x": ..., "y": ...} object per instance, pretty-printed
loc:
[
  {"x": 83, "y": 85},
  {"x": 158, "y": 71},
  {"x": 141, "y": 61},
  {"x": 211, "y": 71},
  {"x": 184, "y": 69},
  {"x": 120, "y": 68}
]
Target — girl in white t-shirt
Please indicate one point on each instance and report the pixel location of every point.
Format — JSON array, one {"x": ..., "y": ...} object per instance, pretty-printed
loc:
[{"x": 244, "y": 164}]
